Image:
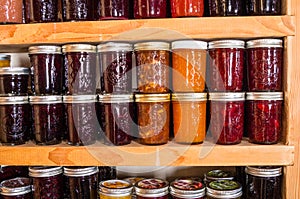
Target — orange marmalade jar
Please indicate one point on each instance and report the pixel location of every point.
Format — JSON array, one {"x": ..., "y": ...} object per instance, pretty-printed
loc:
[{"x": 187, "y": 8}]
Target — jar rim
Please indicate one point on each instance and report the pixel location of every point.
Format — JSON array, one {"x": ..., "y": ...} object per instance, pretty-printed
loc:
[
  {"x": 14, "y": 100},
  {"x": 266, "y": 42},
  {"x": 264, "y": 96},
  {"x": 115, "y": 98},
  {"x": 45, "y": 49},
  {"x": 233, "y": 96},
  {"x": 189, "y": 44},
  {"x": 115, "y": 46},
  {"x": 189, "y": 97},
  {"x": 40, "y": 171},
  {"x": 218, "y": 171},
  {"x": 152, "y": 45},
  {"x": 14, "y": 191},
  {"x": 80, "y": 171},
  {"x": 14, "y": 70},
  {"x": 79, "y": 48},
  {"x": 45, "y": 99},
  {"x": 79, "y": 98},
  {"x": 126, "y": 187},
  {"x": 227, "y": 43},
  {"x": 264, "y": 171},
  {"x": 232, "y": 193},
  {"x": 163, "y": 97}
]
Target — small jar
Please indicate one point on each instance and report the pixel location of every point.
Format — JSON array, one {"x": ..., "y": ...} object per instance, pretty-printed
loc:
[
  {"x": 224, "y": 189},
  {"x": 153, "y": 118},
  {"x": 15, "y": 120},
  {"x": 265, "y": 65},
  {"x": 217, "y": 175},
  {"x": 262, "y": 7},
  {"x": 187, "y": 8},
  {"x": 115, "y": 189},
  {"x": 116, "y": 67},
  {"x": 263, "y": 182},
  {"x": 143, "y": 9},
  {"x": 9, "y": 172},
  {"x": 264, "y": 115},
  {"x": 16, "y": 188},
  {"x": 41, "y": 11},
  {"x": 107, "y": 173},
  {"x": 153, "y": 67},
  {"x": 219, "y": 8},
  {"x": 74, "y": 10},
  {"x": 189, "y": 128},
  {"x": 114, "y": 9},
  {"x": 225, "y": 65},
  {"x": 189, "y": 65},
  {"x": 4, "y": 60},
  {"x": 227, "y": 117},
  {"x": 187, "y": 189},
  {"x": 80, "y": 69},
  {"x": 81, "y": 182},
  {"x": 11, "y": 11},
  {"x": 47, "y": 68},
  {"x": 47, "y": 182},
  {"x": 153, "y": 188},
  {"x": 47, "y": 119}
]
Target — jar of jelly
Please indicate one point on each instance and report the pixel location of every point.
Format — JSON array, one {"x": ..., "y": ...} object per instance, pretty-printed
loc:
[
  {"x": 187, "y": 189},
  {"x": 225, "y": 65},
  {"x": 217, "y": 175},
  {"x": 41, "y": 11},
  {"x": 153, "y": 118},
  {"x": 187, "y": 8},
  {"x": 265, "y": 65},
  {"x": 153, "y": 67},
  {"x": 219, "y": 8},
  {"x": 80, "y": 68},
  {"x": 15, "y": 120},
  {"x": 224, "y": 189},
  {"x": 189, "y": 65},
  {"x": 9, "y": 172},
  {"x": 74, "y": 10},
  {"x": 115, "y": 189},
  {"x": 116, "y": 67},
  {"x": 81, "y": 182},
  {"x": 227, "y": 117},
  {"x": 264, "y": 114},
  {"x": 16, "y": 188},
  {"x": 11, "y": 11},
  {"x": 81, "y": 119},
  {"x": 114, "y": 9},
  {"x": 263, "y": 182},
  {"x": 152, "y": 188},
  {"x": 262, "y": 7},
  {"x": 107, "y": 173},
  {"x": 4, "y": 60},
  {"x": 189, "y": 128},
  {"x": 47, "y": 182},
  {"x": 143, "y": 9},
  {"x": 47, "y": 66}
]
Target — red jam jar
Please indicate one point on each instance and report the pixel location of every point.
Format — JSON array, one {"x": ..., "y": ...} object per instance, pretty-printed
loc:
[
  {"x": 143, "y": 9},
  {"x": 11, "y": 11},
  {"x": 41, "y": 11},
  {"x": 224, "y": 189},
  {"x": 263, "y": 7},
  {"x": 47, "y": 69},
  {"x": 227, "y": 117},
  {"x": 187, "y": 189},
  {"x": 187, "y": 8},
  {"x": 225, "y": 65},
  {"x": 114, "y": 9},
  {"x": 78, "y": 10},
  {"x": 265, "y": 64},
  {"x": 116, "y": 67},
  {"x": 16, "y": 188},
  {"x": 264, "y": 115},
  {"x": 153, "y": 188},
  {"x": 219, "y": 8}
]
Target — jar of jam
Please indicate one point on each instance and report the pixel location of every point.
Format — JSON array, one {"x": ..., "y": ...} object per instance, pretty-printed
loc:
[
  {"x": 47, "y": 68},
  {"x": 115, "y": 189},
  {"x": 189, "y": 65},
  {"x": 265, "y": 65},
  {"x": 264, "y": 115},
  {"x": 107, "y": 173},
  {"x": 263, "y": 182},
  {"x": 80, "y": 68},
  {"x": 81, "y": 119},
  {"x": 187, "y": 189},
  {"x": 41, "y": 11},
  {"x": 187, "y": 8},
  {"x": 152, "y": 188},
  {"x": 217, "y": 175},
  {"x": 225, "y": 65},
  {"x": 143, "y": 9},
  {"x": 48, "y": 182},
  {"x": 16, "y": 188},
  {"x": 227, "y": 117},
  {"x": 153, "y": 67},
  {"x": 11, "y": 11},
  {"x": 116, "y": 67},
  {"x": 153, "y": 118},
  {"x": 224, "y": 189},
  {"x": 74, "y": 10},
  {"x": 15, "y": 120},
  {"x": 262, "y": 7},
  {"x": 225, "y": 7},
  {"x": 4, "y": 60},
  {"x": 81, "y": 182},
  {"x": 189, "y": 128},
  {"x": 114, "y": 9},
  {"x": 9, "y": 172}
]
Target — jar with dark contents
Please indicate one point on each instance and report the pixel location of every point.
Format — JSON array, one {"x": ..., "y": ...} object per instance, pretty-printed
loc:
[
  {"x": 4, "y": 60},
  {"x": 264, "y": 115},
  {"x": 263, "y": 182},
  {"x": 116, "y": 67},
  {"x": 47, "y": 119},
  {"x": 47, "y": 182},
  {"x": 11, "y": 12},
  {"x": 114, "y": 9},
  {"x": 263, "y": 7},
  {"x": 107, "y": 173},
  {"x": 224, "y": 189},
  {"x": 217, "y": 175},
  {"x": 153, "y": 118},
  {"x": 115, "y": 189},
  {"x": 78, "y": 10},
  {"x": 153, "y": 67},
  {"x": 219, "y": 8},
  {"x": 47, "y": 68},
  {"x": 16, "y": 188},
  {"x": 187, "y": 8},
  {"x": 80, "y": 69},
  {"x": 187, "y": 189},
  {"x": 9, "y": 172},
  {"x": 225, "y": 65},
  {"x": 41, "y": 11},
  {"x": 143, "y": 9},
  {"x": 153, "y": 188},
  {"x": 15, "y": 120},
  {"x": 265, "y": 65},
  {"x": 227, "y": 117},
  {"x": 81, "y": 182}
]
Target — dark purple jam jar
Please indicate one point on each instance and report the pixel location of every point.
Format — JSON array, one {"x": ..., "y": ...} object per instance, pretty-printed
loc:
[
  {"x": 265, "y": 64},
  {"x": 187, "y": 188},
  {"x": 225, "y": 65},
  {"x": 227, "y": 117},
  {"x": 47, "y": 69},
  {"x": 153, "y": 188},
  {"x": 9, "y": 172},
  {"x": 264, "y": 115},
  {"x": 263, "y": 7},
  {"x": 225, "y": 7},
  {"x": 107, "y": 173},
  {"x": 41, "y": 11},
  {"x": 47, "y": 119},
  {"x": 116, "y": 67},
  {"x": 143, "y": 9},
  {"x": 80, "y": 69},
  {"x": 16, "y": 188},
  {"x": 78, "y": 10},
  {"x": 15, "y": 120},
  {"x": 114, "y": 9},
  {"x": 48, "y": 182}
]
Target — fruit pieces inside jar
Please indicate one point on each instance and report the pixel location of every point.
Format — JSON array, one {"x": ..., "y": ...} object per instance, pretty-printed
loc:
[{"x": 49, "y": 187}]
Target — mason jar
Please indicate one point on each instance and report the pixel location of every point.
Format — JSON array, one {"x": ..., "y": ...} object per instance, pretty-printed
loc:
[
  {"x": 11, "y": 12},
  {"x": 187, "y": 8},
  {"x": 149, "y": 9},
  {"x": 41, "y": 11},
  {"x": 217, "y": 175},
  {"x": 74, "y": 10},
  {"x": 187, "y": 188},
  {"x": 114, "y": 9},
  {"x": 224, "y": 189},
  {"x": 152, "y": 188},
  {"x": 262, "y": 7},
  {"x": 222, "y": 8},
  {"x": 115, "y": 189},
  {"x": 16, "y": 188}
]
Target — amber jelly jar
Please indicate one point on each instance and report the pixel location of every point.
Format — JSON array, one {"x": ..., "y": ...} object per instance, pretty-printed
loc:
[
  {"x": 4, "y": 60},
  {"x": 11, "y": 11},
  {"x": 144, "y": 9},
  {"x": 41, "y": 11},
  {"x": 74, "y": 10},
  {"x": 114, "y": 9},
  {"x": 187, "y": 188},
  {"x": 262, "y": 7},
  {"x": 224, "y": 189},
  {"x": 219, "y": 8},
  {"x": 152, "y": 188},
  {"x": 187, "y": 8},
  {"x": 115, "y": 189},
  {"x": 16, "y": 188}
]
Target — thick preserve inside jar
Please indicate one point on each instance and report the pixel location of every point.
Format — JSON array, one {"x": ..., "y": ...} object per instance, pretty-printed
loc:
[
  {"x": 114, "y": 9},
  {"x": 187, "y": 8},
  {"x": 226, "y": 7},
  {"x": 41, "y": 11},
  {"x": 74, "y": 10},
  {"x": 261, "y": 7},
  {"x": 150, "y": 9}
]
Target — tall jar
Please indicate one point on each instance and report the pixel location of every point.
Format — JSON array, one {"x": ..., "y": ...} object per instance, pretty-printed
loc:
[
  {"x": 47, "y": 69},
  {"x": 11, "y": 11},
  {"x": 187, "y": 8},
  {"x": 4, "y": 60},
  {"x": 114, "y": 9},
  {"x": 226, "y": 65},
  {"x": 16, "y": 188},
  {"x": 116, "y": 67},
  {"x": 115, "y": 189},
  {"x": 227, "y": 117},
  {"x": 144, "y": 9},
  {"x": 189, "y": 65},
  {"x": 153, "y": 66},
  {"x": 187, "y": 189},
  {"x": 152, "y": 188},
  {"x": 225, "y": 8},
  {"x": 262, "y": 7},
  {"x": 41, "y": 11},
  {"x": 153, "y": 118},
  {"x": 74, "y": 10},
  {"x": 224, "y": 189},
  {"x": 264, "y": 114},
  {"x": 265, "y": 65},
  {"x": 189, "y": 128}
]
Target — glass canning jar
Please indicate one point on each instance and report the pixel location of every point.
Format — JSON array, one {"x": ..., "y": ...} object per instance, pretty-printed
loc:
[
  {"x": 41, "y": 11},
  {"x": 116, "y": 67},
  {"x": 264, "y": 115},
  {"x": 16, "y": 188},
  {"x": 225, "y": 65},
  {"x": 187, "y": 188},
  {"x": 265, "y": 64},
  {"x": 224, "y": 189},
  {"x": 115, "y": 189},
  {"x": 143, "y": 9},
  {"x": 9, "y": 172},
  {"x": 217, "y": 175},
  {"x": 153, "y": 66},
  {"x": 76, "y": 10},
  {"x": 153, "y": 118},
  {"x": 189, "y": 65},
  {"x": 189, "y": 128},
  {"x": 107, "y": 173},
  {"x": 225, "y": 7},
  {"x": 187, "y": 8},
  {"x": 4, "y": 60},
  {"x": 114, "y": 9},
  {"x": 227, "y": 117},
  {"x": 11, "y": 11},
  {"x": 152, "y": 188},
  {"x": 263, "y": 7}
]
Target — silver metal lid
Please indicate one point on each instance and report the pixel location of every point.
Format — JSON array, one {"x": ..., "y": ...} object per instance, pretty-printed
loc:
[
  {"x": 264, "y": 43},
  {"x": 115, "y": 187},
  {"x": 264, "y": 171},
  {"x": 15, "y": 187},
  {"x": 189, "y": 44},
  {"x": 158, "y": 188},
  {"x": 79, "y": 48},
  {"x": 44, "y": 49},
  {"x": 114, "y": 46},
  {"x": 153, "y": 45},
  {"x": 226, "y": 44},
  {"x": 39, "y": 172},
  {"x": 4, "y": 57},
  {"x": 80, "y": 171},
  {"x": 153, "y": 97},
  {"x": 189, "y": 97},
  {"x": 115, "y": 98},
  {"x": 79, "y": 98},
  {"x": 14, "y": 100},
  {"x": 238, "y": 96},
  {"x": 187, "y": 188},
  {"x": 14, "y": 71},
  {"x": 224, "y": 189},
  {"x": 45, "y": 99},
  {"x": 264, "y": 96}
]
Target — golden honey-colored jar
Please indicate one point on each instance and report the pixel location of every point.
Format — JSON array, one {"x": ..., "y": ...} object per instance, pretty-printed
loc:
[
  {"x": 4, "y": 60},
  {"x": 115, "y": 189}
]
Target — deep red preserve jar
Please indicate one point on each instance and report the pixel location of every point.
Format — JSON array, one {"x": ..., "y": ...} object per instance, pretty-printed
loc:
[
  {"x": 150, "y": 9},
  {"x": 187, "y": 8},
  {"x": 114, "y": 9},
  {"x": 41, "y": 11},
  {"x": 187, "y": 188},
  {"x": 78, "y": 10},
  {"x": 152, "y": 188}
]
